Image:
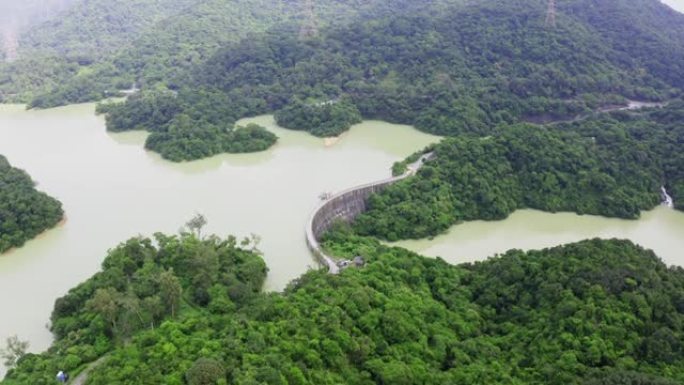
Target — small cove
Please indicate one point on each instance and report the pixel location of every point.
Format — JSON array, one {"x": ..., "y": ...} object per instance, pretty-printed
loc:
[{"x": 660, "y": 229}]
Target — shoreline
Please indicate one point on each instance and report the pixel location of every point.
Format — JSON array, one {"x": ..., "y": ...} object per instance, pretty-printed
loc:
[
  {"x": 332, "y": 140},
  {"x": 42, "y": 234}
]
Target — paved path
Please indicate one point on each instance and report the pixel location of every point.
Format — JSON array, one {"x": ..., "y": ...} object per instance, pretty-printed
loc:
[{"x": 83, "y": 376}]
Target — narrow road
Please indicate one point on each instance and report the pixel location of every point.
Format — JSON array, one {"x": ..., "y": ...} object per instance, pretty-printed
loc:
[
  {"x": 83, "y": 376},
  {"x": 632, "y": 105}
]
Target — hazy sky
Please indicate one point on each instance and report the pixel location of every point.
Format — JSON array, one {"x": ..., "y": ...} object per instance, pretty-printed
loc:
[{"x": 676, "y": 4}]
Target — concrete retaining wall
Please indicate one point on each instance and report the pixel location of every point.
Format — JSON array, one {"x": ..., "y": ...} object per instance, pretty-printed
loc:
[{"x": 346, "y": 206}]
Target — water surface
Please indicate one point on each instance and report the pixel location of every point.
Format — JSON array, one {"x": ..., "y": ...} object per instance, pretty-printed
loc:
[
  {"x": 112, "y": 189},
  {"x": 661, "y": 230}
]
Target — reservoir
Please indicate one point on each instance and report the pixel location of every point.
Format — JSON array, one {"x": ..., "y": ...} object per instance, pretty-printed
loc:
[{"x": 112, "y": 189}]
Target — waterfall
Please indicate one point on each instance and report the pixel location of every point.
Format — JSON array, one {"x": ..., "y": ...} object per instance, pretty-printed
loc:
[{"x": 667, "y": 199}]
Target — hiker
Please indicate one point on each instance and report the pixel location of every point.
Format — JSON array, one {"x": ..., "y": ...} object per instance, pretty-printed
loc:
[{"x": 62, "y": 377}]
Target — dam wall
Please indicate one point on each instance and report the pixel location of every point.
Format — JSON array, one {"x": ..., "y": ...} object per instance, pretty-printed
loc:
[{"x": 346, "y": 206}]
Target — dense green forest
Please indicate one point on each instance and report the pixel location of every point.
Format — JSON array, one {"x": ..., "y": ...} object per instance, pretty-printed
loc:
[
  {"x": 181, "y": 310},
  {"x": 66, "y": 48},
  {"x": 24, "y": 211},
  {"x": 152, "y": 43},
  {"x": 91, "y": 30},
  {"x": 324, "y": 119},
  {"x": 183, "y": 142},
  {"x": 144, "y": 284},
  {"x": 208, "y": 131},
  {"x": 446, "y": 66},
  {"x": 190, "y": 309},
  {"x": 183, "y": 35},
  {"x": 463, "y": 71},
  {"x": 18, "y": 17},
  {"x": 611, "y": 165},
  {"x": 659, "y": 131}
]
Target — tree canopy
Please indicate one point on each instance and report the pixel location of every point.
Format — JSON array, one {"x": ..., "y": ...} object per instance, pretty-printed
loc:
[
  {"x": 598, "y": 312},
  {"x": 24, "y": 211},
  {"x": 463, "y": 70},
  {"x": 612, "y": 165}
]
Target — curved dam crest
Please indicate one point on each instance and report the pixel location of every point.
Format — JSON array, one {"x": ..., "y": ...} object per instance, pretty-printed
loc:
[{"x": 346, "y": 206}]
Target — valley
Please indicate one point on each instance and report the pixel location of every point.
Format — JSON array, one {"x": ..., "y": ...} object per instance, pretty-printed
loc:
[
  {"x": 240, "y": 194},
  {"x": 213, "y": 192}
]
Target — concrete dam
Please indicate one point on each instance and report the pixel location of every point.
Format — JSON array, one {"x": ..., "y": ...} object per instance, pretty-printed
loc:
[{"x": 346, "y": 206}]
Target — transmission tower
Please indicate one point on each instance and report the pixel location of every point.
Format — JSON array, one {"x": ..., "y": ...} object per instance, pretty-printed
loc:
[
  {"x": 551, "y": 14},
  {"x": 309, "y": 27}
]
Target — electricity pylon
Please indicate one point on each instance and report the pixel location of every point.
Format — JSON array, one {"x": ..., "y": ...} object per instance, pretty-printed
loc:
[
  {"x": 551, "y": 14},
  {"x": 309, "y": 27}
]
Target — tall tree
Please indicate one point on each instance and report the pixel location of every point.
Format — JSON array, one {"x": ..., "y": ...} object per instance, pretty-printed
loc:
[
  {"x": 170, "y": 290},
  {"x": 13, "y": 351},
  {"x": 196, "y": 224}
]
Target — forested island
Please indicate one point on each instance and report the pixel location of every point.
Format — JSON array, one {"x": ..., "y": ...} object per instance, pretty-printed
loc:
[
  {"x": 209, "y": 131},
  {"x": 185, "y": 310},
  {"x": 24, "y": 211},
  {"x": 324, "y": 119}
]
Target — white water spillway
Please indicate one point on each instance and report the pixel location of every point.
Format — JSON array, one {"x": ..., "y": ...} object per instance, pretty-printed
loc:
[{"x": 667, "y": 199}]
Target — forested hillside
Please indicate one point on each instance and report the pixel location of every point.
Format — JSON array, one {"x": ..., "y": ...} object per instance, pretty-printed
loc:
[
  {"x": 65, "y": 47},
  {"x": 20, "y": 15},
  {"x": 190, "y": 309},
  {"x": 156, "y": 55},
  {"x": 659, "y": 132},
  {"x": 464, "y": 70},
  {"x": 642, "y": 32},
  {"x": 153, "y": 44},
  {"x": 24, "y": 211},
  {"x": 188, "y": 312},
  {"x": 446, "y": 66},
  {"x": 165, "y": 55},
  {"x": 611, "y": 165},
  {"x": 91, "y": 30},
  {"x": 17, "y": 17}
]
